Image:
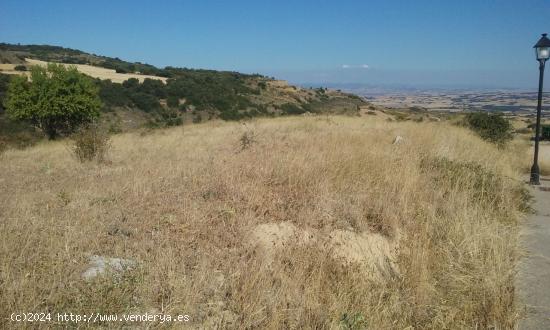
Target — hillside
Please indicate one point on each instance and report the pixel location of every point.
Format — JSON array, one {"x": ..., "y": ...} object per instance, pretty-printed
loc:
[
  {"x": 140, "y": 95},
  {"x": 315, "y": 222}
]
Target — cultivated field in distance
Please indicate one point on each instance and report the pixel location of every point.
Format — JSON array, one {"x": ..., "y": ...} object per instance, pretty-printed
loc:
[
  {"x": 297, "y": 222},
  {"x": 90, "y": 70}
]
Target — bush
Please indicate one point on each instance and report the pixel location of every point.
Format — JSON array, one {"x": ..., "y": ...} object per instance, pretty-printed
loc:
[
  {"x": 145, "y": 102},
  {"x": 197, "y": 119},
  {"x": 172, "y": 101},
  {"x": 113, "y": 94},
  {"x": 247, "y": 139},
  {"x": 486, "y": 186},
  {"x": 20, "y": 68},
  {"x": 292, "y": 109},
  {"x": 545, "y": 132},
  {"x": 91, "y": 143},
  {"x": 490, "y": 126},
  {"x": 524, "y": 130},
  {"x": 3, "y": 147}
]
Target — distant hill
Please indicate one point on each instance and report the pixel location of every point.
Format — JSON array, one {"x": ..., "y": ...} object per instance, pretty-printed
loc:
[{"x": 138, "y": 94}]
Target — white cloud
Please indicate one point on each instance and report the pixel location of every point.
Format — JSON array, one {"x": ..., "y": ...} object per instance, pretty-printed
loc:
[{"x": 348, "y": 66}]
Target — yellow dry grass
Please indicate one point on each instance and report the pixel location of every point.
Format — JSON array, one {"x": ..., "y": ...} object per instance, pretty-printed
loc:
[
  {"x": 544, "y": 158},
  {"x": 191, "y": 204},
  {"x": 98, "y": 72}
]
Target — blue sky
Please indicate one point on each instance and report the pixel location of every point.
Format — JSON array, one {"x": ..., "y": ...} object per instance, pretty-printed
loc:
[{"x": 483, "y": 43}]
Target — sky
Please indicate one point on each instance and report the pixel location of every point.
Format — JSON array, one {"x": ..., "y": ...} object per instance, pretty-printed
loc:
[{"x": 455, "y": 44}]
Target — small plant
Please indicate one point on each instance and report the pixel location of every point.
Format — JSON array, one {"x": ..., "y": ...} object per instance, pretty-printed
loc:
[
  {"x": 401, "y": 117},
  {"x": 64, "y": 197},
  {"x": 490, "y": 126},
  {"x": 197, "y": 119},
  {"x": 91, "y": 143},
  {"x": 3, "y": 147},
  {"x": 20, "y": 68},
  {"x": 523, "y": 130},
  {"x": 352, "y": 321},
  {"x": 247, "y": 139},
  {"x": 115, "y": 128}
]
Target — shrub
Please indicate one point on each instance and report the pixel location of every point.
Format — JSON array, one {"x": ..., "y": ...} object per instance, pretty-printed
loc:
[
  {"x": 91, "y": 143},
  {"x": 490, "y": 126},
  {"x": 486, "y": 187},
  {"x": 172, "y": 101},
  {"x": 3, "y": 147},
  {"x": 247, "y": 139},
  {"x": 524, "y": 130},
  {"x": 115, "y": 128},
  {"x": 145, "y": 102},
  {"x": 113, "y": 94},
  {"x": 20, "y": 68},
  {"x": 197, "y": 119},
  {"x": 231, "y": 115},
  {"x": 545, "y": 132},
  {"x": 292, "y": 109}
]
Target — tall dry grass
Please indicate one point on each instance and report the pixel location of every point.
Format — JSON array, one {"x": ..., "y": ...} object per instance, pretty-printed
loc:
[{"x": 184, "y": 204}]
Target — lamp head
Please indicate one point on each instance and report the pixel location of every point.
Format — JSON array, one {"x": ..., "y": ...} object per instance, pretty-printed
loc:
[{"x": 542, "y": 48}]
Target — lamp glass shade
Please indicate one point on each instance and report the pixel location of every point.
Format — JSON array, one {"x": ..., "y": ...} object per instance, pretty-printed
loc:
[{"x": 543, "y": 53}]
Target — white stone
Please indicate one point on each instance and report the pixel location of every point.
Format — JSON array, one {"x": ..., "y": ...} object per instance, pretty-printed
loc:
[
  {"x": 398, "y": 139},
  {"x": 99, "y": 265}
]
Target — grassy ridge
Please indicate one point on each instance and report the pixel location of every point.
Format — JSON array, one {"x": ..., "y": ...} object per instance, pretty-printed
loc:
[
  {"x": 189, "y": 95},
  {"x": 244, "y": 225}
]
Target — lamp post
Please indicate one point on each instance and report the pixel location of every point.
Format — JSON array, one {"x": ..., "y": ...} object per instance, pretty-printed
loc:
[{"x": 542, "y": 50}]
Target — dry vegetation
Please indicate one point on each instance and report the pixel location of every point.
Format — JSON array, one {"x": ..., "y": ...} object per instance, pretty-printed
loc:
[
  {"x": 544, "y": 158},
  {"x": 90, "y": 70},
  {"x": 312, "y": 222}
]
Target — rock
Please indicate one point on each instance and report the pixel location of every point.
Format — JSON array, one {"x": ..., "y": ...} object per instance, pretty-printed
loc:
[
  {"x": 398, "y": 140},
  {"x": 99, "y": 265}
]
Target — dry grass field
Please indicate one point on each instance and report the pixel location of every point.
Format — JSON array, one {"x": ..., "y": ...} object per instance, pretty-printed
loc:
[
  {"x": 90, "y": 70},
  {"x": 310, "y": 222},
  {"x": 544, "y": 158}
]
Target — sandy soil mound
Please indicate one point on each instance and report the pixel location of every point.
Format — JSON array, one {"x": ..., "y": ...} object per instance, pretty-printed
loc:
[{"x": 371, "y": 250}]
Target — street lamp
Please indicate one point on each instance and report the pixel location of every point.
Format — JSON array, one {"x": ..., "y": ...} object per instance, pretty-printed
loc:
[{"x": 542, "y": 50}]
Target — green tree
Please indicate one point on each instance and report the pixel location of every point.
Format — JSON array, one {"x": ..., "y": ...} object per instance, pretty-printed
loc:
[
  {"x": 56, "y": 99},
  {"x": 492, "y": 127}
]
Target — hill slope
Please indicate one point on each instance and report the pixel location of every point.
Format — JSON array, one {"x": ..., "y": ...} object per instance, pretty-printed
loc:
[{"x": 136, "y": 94}]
